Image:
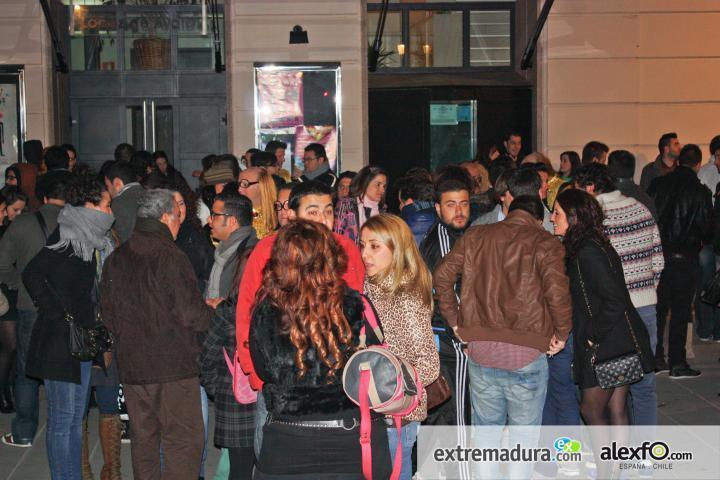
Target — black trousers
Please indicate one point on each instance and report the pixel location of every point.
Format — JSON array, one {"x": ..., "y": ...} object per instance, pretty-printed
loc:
[
  {"x": 676, "y": 292},
  {"x": 242, "y": 461}
]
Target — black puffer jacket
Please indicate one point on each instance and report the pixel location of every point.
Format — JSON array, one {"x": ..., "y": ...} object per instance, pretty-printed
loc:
[
  {"x": 685, "y": 212},
  {"x": 314, "y": 396}
]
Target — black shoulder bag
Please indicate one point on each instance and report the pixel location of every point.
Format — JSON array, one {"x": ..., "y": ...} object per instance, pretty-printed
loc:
[
  {"x": 618, "y": 371},
  {"x": 85, "y": 343}
]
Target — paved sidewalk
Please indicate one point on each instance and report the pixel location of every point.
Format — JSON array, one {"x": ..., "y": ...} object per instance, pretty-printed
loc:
[{"x": 685, "y": 402}]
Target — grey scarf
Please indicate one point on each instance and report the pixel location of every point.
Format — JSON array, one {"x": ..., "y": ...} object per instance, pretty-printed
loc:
[
  {"x": 85, "y": 229},
  {"x": 322, "y": 168},
  {"x": 223, "y": 253}
]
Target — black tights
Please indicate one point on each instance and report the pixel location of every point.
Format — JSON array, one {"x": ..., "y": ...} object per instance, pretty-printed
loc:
[
  {"x": 242, "y": 460},
  {"x": 7, "y": 352},
  {"x": 605, "y": 408}
]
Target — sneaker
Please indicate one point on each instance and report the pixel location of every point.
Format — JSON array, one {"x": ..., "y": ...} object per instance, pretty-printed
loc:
[
  {"x": 8, "y": 439},
  {"x": 125, "y": 438},
  {"x": 683, "y": 371},
  {"x": 706, "y": 339},
  {"x": 661, "y": 366}
]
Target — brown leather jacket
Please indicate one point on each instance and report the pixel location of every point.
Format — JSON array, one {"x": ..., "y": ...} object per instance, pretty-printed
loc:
[{"x": 514, "y": 287}]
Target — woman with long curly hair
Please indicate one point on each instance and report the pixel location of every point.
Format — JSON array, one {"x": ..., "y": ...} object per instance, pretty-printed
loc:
[
  {"x": 305, "y": 325},
  {"x": 605, "y": 323}
]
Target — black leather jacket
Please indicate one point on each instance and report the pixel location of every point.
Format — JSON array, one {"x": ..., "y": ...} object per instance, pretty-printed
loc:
[{"x": 685, "y": 212}]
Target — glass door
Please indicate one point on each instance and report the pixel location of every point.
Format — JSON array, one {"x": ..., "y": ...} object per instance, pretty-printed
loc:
[
  {"x": 149, "y": 126},
  {"x": 453, "y": 132}
]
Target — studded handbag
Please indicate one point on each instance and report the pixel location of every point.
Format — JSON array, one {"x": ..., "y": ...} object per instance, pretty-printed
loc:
[{"x": 618, "y": 371}]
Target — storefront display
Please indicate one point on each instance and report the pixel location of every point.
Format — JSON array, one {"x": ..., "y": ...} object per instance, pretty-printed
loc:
[{"x": 298, "y": 105}]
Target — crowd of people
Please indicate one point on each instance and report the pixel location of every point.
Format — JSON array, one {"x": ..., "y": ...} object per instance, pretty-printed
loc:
[{"x": 502, "y": 277}]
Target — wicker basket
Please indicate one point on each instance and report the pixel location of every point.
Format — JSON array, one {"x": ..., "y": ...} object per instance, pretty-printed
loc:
[{"x": 151, "y": 53}]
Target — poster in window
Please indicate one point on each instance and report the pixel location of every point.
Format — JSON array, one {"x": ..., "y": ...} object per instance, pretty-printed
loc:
[{"x": 280, "y": 98}]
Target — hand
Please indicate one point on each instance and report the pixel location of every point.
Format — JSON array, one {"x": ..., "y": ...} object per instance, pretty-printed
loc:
[
  {"x": 297, "y": 173},
  {"x": 556, "y": 346},
  {"x": 107, "y": 356},
  {"x": 214, "y": 302},
  {"x": 457, "y": 335}
]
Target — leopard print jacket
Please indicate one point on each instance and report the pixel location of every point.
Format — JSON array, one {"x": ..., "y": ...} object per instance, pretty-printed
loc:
[{"x": 406, "y": 322}]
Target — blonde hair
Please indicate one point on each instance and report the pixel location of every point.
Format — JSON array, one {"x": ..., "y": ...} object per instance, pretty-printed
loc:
[
  {"x": 407, "y": 271},
  {"x": 268, "y": 195}
]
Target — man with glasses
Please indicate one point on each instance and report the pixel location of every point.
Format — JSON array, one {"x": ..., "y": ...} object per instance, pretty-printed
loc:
[
  {"x": 231, "y": 225},
  {"x": 309, "y": 201},
  {"x": 317, "y": 166}
]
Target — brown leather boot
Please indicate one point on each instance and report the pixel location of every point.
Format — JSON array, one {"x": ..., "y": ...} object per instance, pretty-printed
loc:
[
  {"x": 86, "y": 470},
  {"x": 110, "y": 432}
]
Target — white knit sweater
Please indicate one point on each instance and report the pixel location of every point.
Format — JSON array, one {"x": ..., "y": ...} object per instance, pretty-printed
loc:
[{"x": 636, "y": 238}]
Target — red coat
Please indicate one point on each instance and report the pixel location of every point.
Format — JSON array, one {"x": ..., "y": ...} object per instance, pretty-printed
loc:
[{"x": 252, "y": 279}]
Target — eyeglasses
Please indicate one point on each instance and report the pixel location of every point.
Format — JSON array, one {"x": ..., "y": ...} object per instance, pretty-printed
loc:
[
  {"x": 10, "y": 177},
  {"x": 244, "y": 183},
  {"x": 219, "y": 214},
  {"x": 282, "y": 205}
]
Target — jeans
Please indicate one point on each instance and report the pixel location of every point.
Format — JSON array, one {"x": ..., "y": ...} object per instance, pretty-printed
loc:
[
  {"x": 708, "y": 317},
  {"x": 107, "y": 399},
  {"x": 25, "y": 423},
  {"x": 643, "y": 396},
  {"x": 561, "y": 402},
  {"x": 678, "y": 284},
  {"x": 515, "y": 397},
  {"x": 66, "y": 408},
  {"x": 408, "y": 435},
  {"x": 261, "y": 414}
]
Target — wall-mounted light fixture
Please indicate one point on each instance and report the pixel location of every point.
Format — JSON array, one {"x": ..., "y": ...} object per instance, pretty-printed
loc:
[
  {"x": 298, "y": 35},
  {"x": 401, "y": 49}
]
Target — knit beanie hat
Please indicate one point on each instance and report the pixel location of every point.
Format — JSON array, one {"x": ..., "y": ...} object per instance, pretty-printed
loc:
[{"x": 218, "y": 174}]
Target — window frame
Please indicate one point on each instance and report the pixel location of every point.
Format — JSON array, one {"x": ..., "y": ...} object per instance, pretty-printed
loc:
[
  {"x": 465, "y": 8},
  {"x": 173, "y": 12}
]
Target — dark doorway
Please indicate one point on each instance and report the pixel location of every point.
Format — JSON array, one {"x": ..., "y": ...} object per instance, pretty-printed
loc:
[{"x": 400, "y": 124}]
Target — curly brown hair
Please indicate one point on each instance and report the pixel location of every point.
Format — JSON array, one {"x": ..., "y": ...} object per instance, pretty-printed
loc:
[
  {"x": 585, "y": 220},
  {"x": 303, "y": 279}
]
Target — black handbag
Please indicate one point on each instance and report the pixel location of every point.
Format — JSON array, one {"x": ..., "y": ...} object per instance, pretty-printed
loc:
[
  {"x": 85, "y": 343},
  {"x": 711, "y": 294},
  {"x": 618, "y": 371}
]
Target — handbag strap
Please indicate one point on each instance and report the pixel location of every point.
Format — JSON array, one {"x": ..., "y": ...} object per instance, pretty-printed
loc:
[
  {"x": 370, "y": 317},
  {"x": 68, "y": 315},
  {"x": 43, "y": 225},
  {"x": 587, "y": 302},
  {"x": 366, "y": 430},
  {"x": 365, "y": 424}
]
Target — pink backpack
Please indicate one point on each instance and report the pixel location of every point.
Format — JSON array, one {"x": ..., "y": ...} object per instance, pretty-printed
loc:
[
  {"x": 375, "y": 378},
  {"x": 242, "y": 390}
]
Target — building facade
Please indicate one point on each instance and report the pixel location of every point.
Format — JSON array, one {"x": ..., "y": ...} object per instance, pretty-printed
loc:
[{"x": 448, "y": 81}]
